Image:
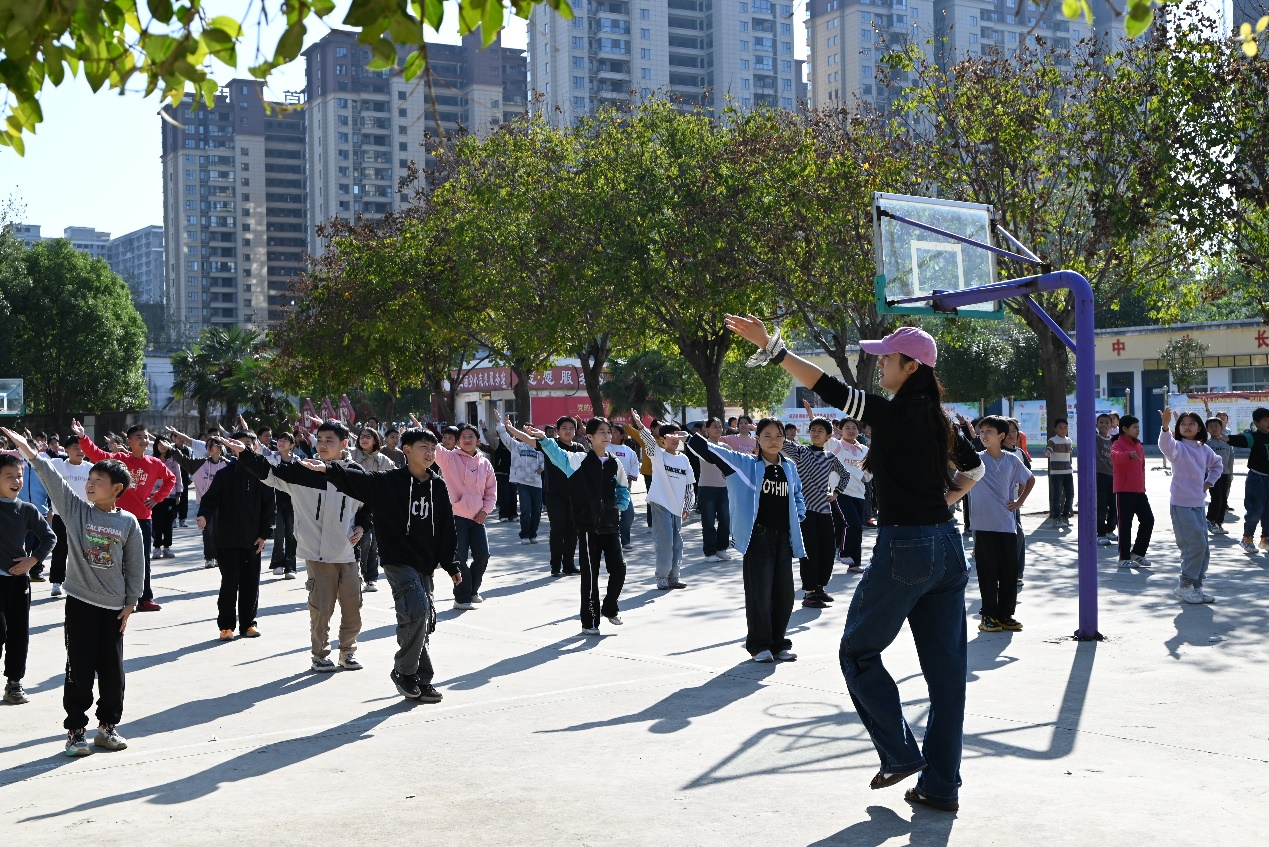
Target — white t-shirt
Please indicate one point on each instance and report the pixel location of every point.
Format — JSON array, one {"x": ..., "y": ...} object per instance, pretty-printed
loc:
[
  {"x": 852, "y": 456},
  {"x": 629, "y": 459},
  {"x": 76, "y": 475},
  {"x": 672, "y": 479}
]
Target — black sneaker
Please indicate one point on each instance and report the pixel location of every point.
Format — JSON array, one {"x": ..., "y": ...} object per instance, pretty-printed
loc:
[
  {"x": 407, "y": 685},
  {"x": 812, "y": 601},
  {"x": 823, "y": 595},
  {"x": 428, "y": 693},
  {"x": 674, "y": 583},
  {"x": 571, "y": 571}
]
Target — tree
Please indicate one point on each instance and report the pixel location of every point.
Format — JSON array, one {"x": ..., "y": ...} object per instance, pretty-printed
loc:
[
  {"x": 1077, "y": 161},
  {"x": 983, "y": 360},
  {"x": 117, "y": 43},
  {"x": 753, "y": 389},
  {"x": 192, "y": 380},
  {"x": 651, "y": 382},
  {"x": 1184, "y": 358},
  {"x": 76, "y": 338},
  {"x": 205, "y": 372}
]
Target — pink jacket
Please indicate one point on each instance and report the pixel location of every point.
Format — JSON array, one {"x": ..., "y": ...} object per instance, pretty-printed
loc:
[
  {"x": 1129, "y": 474},
  {"x": 470, "y": 480}
]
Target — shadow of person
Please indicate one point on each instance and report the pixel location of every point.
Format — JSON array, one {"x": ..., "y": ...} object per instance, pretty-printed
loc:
[
  {"x": 984, "y": 653},
  {"x": 1195, "y": 626},
  {"x": 255, "y": 762},
  {"x": 931, "y": 829},
  {"x": 523, "y": 662},
  {"x": 676, "y": 711}
]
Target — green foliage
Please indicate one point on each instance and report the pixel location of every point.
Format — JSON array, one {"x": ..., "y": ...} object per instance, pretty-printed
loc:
[
  {"x": 651, "y": 382},
  {"x": 71, "y": 331},
  {"x": 209, "y": 372},
  {"x": 167, "y": 45},
  {"x": 755, "y": 390},
  {"x": 988, "y": 359},
  {"x": 1184, "y": 359}
]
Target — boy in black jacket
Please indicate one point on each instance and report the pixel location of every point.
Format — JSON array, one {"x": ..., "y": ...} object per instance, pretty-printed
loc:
[
  {"x": 415, "y": 523},
  {"x": 244, "y": 510}
]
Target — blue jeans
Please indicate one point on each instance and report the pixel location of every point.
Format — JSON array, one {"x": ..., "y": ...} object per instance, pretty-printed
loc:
[
  {"x": 918, "y": 574},
  {"x": 530, "y": 510},
  {"x": 667, "y": 538},
  {"x": 715, "y": 519},
  {"x": 1256, "y": 504},
  {"x": 471, "y": 538},
  {"x": 627, "y": 521},
  {"x": 1190, "y": 525}
]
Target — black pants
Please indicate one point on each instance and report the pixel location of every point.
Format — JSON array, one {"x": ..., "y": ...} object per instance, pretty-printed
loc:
[
  {"x": 607, "y": 545},
  {"x": 1131, "y": 504},
  {"x": 164, "y": 518},
  {"x": 182, "y": 504},
  {"x": 854, "y": 513},
  {"x": 1061, "y": 495},
  {"x": 367, "y": 550},
  {"x": 15, "y": 623},
  {"x": 209, "y": 539},
  {"x": 94, "y": 650},
  {"x": 1107, "y": 516},
  {"x": 647, "y": 507},
  {"x": 1215, "y": 510},
  {"x": 817, "y": 536},
  {"x": 284, "y": 537},
  {"x": 768, "y": 575},
  {"x": 57, "y": 571},
  {"x": 147, "y": 537},
  {"x": 996, "y": 560},
  {"x": 506, "y": 498},
  {"x": 563, "y": 534},
  {"x": 239, "y": 588}
]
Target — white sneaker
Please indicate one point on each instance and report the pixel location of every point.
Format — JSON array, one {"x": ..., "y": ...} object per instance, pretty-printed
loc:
[
  {"x": 57, "y": 589},
  {"x": 348, "y": 661},
  {"x": 1127, "y": 563},
  {"x": 524, "y": 541},
  {"x": 712, "y": 558},
  {"x": 279, "y": 571},
  {"x": 182, "y": 524},
  {"x": 1188, "y": 594},
  {"x": 210, "y": 563},
  {"x": 476, "y": 598},
  {"x": 723, "y": 556},
  {"x": 168, "y": 554},
  {"x": 616, "y": 620},
  {"x": 108, "y": 738},
  {"x": 464, "y": 607},
  {"x": 786, "y": 656},
  {"x": 763, "y": 657},
  {"x": 1207, "y": 598},
  {"x": 322, "y": 664},
  {"x": 1248, "y": 547},
  {"x": 1141, "y": 561},
  {"x": 1104, "y": 541},
  {"x": 289, "y": 575},
  {"x": 594, "y": 630}
]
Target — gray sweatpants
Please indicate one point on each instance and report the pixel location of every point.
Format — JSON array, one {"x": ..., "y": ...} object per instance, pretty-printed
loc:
[
  {"x": 1190, "y": 525},
  {"x": 412, "y": 595}
]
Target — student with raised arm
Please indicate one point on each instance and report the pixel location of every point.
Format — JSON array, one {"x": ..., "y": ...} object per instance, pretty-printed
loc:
[
  {"x": 201, "y": 471},
  {"x": 328, "y": 525},
  {"x": 526, "y": 475},
  {"x": 669, "y": 497},
  {"x": 629, "y": 458},
  {"x": 598, "y": 493},
  {"x": 416, "y": 525},
  {"x": 141, "y": 497},
  {"x": 711, "y": 495},
  {"x": 918, "y": 572},
  {"x": 473, "y": 492},
  {"x": 824, "y": 477},
  {"x": 105, "y": 570},
  {"x": 767, "y": 505}
]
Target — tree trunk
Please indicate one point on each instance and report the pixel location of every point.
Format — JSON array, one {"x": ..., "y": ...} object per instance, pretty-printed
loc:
[
  {"x": 524, "y": 405},
  {"x": 440, "y": 401},
  {"x": 705, "y": 355},
  {"x": 202, "y": 419},
  {"x": 594, "y": 357},
  {"x": 1054, "y": 360}
]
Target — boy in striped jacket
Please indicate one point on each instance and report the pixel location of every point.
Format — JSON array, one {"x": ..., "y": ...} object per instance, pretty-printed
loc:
[{"x": 815, "y": 466}]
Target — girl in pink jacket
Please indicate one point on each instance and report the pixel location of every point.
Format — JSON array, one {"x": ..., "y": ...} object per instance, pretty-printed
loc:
[
  {"x": 473, "y": 491},
  {"x": 1128, "y": 461},
  {"x": 1195, "y": 469}
]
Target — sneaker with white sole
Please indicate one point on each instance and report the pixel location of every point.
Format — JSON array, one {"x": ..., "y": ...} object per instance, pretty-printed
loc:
[
  {"x": 1104, "y": 541},
  {"x": 663, "y": 585},
  {"x": 370, "y": 587},
  {"x": 615, "y": 620},
  {"x": 1127, "y": 563},
  {"x": 182, "y": 524},
  {"x": 763, "y": 657},
  {"x": 786, "y": 656},
  {"x": 14, "y": 695},
  {"x": 348, "y": 661},
  {"x": 279, "y": 571},
  {"x": 108, "y": 738},
  {"x": 77, "y": 743},
  {"x": 209, "y": 564},
  {"x": 1188, "y": 594},
  {"x": 1112, "y": 536},
  {"x": 712, "y": 558},
  {"x": 1207, "y": 598},
  {"x": 590, "y": 630},
  {"x": 476, "y": 598},
  {"x": 407, "y": 685},
  {"x": 464, "y": 607},
  {"x": 723, "y": 556},
  {"x": 57, "y": 590},
  {"x": 524, "y": 541},
  {"x": 1141, "y": 561},
  {"x": 322, "y": 664},
  {"x": 1248, "y": 546},
  {"x": 289, "y": 575}
]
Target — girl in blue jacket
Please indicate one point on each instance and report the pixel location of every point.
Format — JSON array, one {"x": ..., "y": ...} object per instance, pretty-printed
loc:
[{"x": 767, "y": 508}]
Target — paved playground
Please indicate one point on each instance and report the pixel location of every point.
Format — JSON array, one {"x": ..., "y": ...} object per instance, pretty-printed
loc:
[{"x": 661, "y": 732}]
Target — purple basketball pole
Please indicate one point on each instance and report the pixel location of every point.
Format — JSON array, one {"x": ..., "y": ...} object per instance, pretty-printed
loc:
[{"x": 1084, "y": 347}]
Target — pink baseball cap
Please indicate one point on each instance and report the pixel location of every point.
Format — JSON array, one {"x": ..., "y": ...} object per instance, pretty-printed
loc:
[{"x": 908, "y": 340}]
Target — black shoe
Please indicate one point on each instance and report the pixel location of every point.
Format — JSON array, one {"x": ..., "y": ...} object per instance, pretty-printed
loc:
[
  {"x": 812, "y": 601},
  {"x": 428, "y": 693},
  {"x": 915, "y": 797},
  {"x": 823, "y": 596},
  {"x": 674, "y": 583},
  {"x": 407, "y": 685},
  {"x": 571, "y": 572},
  {"x": 557, "y": 574}
]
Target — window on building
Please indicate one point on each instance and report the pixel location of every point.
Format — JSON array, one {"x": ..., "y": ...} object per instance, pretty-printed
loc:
[
  {"x": 401, "y": 146},
  {"x": 579, "y": 63},
  {"x": 645, "y": 14},
  {"x": 341, "y": 69},
  {"x": 744, "y": 45},
  {"x": 786, "y": 46},
  {"x": 1246, "y": 379},
  {"x": 973, "y": 20},
  {"x": 645, "y": 53},
  {"x": 341, "y": 52},
  {"x": 786, "y": 65},
  {"x": 341, "y": 120},
  {"x": 341, "y": 137},
  {"x": 973, "y": 38},
  {"x": 342, "y": 102},
  {"x": 744, "y": 64},
  {"x": 744, "y": 83},
  {"x": 786, "y": 29},
  {"x": 578, "y": 42},
  {"x": 786, "y": 84},
  {"x": 744, "y": 26},
  {"x": 579, "y": 82},
  {"x": 645, "y": 34},
  {"x": 579, "y": 102},
  {"x": 342, "y": 155},
  {"x": 400, "y": 95},
  {"x": 786, "y": 102}
]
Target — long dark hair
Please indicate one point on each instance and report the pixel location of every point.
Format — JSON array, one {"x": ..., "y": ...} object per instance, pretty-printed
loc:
[{"x": 924, "y": 384}]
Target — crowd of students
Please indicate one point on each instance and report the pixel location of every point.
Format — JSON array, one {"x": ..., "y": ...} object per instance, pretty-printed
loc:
[{"x": 402, "y": 503}]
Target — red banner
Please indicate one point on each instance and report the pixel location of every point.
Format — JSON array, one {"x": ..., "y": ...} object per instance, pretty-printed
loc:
[
  {"x": 566, "y": 378},
  {"x": 346, "y": 413},
  {"x": 328, "y": 409},
  {"x": 547, "y": 410}
]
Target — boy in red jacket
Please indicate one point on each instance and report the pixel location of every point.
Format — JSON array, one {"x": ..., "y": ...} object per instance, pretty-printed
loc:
[
  {"x": 139, "y": 499},
  {"x": 1128, "y": 460}
]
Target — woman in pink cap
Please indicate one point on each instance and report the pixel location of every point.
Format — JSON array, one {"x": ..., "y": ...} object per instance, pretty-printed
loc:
[{"x": 918, "y": 571}]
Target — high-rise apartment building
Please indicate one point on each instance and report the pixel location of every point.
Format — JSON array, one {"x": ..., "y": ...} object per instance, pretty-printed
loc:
[
  {"x": 138, "y": 258},
  {"x": 366, "y": 126},
  {"x": 702, "y": 52},
  {"x": 231, "y": 246},
  {"x": 847, "y": 38}
]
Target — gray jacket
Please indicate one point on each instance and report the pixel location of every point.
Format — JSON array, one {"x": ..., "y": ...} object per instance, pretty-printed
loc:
[
  {"x": 527, "y": 462},
  {"x": 105, "y": 562}
]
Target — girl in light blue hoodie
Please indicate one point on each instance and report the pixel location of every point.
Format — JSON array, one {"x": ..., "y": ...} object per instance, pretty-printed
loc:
[{"x": 764, "y": 493}]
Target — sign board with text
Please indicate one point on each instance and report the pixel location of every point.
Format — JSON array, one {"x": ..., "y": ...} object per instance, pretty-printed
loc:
[{"x": 12, "y": 400}]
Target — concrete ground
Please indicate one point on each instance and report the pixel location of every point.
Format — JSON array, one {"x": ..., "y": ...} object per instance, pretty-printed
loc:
[{"x": 660, "y": 732}]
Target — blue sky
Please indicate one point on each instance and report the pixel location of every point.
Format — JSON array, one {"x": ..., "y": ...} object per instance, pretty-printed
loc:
[{"x": 95, "y": 159}]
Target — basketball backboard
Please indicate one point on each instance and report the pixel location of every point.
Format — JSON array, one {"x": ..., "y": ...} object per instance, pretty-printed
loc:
[
  {"x": 11, "y": 399},
  {"x": 912, "y": 262}
]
